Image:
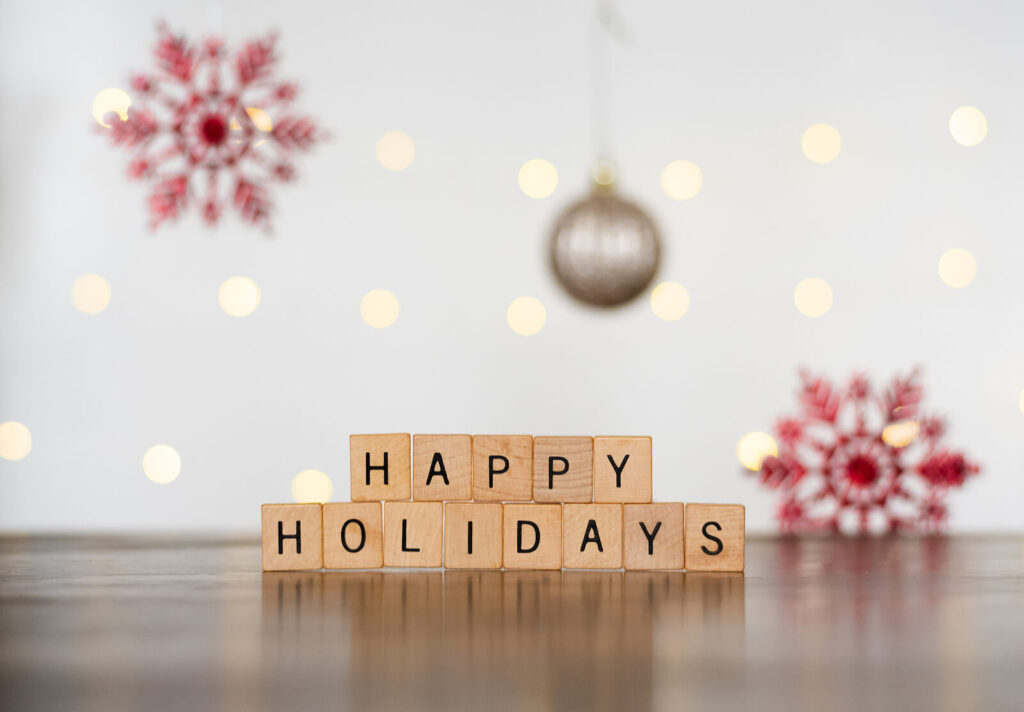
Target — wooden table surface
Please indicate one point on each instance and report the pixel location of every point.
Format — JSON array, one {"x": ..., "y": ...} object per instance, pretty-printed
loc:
[{"x": 151, "y": 623}]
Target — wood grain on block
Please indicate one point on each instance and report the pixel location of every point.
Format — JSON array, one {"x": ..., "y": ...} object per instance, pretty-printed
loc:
[
  {"x": 353, "y": 535},
  {"x": 472, "y": 535},
  {"x": 503, "y": 468},
  {"x": 532, "y": 537},
  {"x": 292, "y": 537},
  {"x": 563, "y": 469},
  {"x": 715, "y": 537},
  {"x": 653, "y": 536},
  {"x": 379, "y": 467},
  {"x": 442, "y": 467},
  {"x": 622, "y": 469},
  {"x": 413, "y": 533},
  {"x": 592, "y": 536}
]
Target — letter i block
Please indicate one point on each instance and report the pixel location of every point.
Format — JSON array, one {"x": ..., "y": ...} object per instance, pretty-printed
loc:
[
  {"x": 353, "y": 535},
  {"x": 442, "y": 467},
  {"x": 563, "y": 469},
  {"x": 379, "y": 467},
  {"x": 472, "y": 535},
  {"x": 715, "y": 537},
  {"x": 413, "y": 533},
  {"x": 592, "y": 536},
  {"x": 503, "y": 468},
  {"x": 622, "y": 469},
  {"x": 292, "y": 537},
  {"x": 532, "y": 536},
  {"x": 653, "y": 536}
]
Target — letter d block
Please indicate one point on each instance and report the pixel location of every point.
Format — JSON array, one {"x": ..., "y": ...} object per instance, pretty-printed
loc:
[
  {"x": 292, "y": 537},
  {"x": 379, "y": 467},
  {"x": 653, "y": 536},
  {"x": 532, "y": 536},
  {"x": 563, "y": 469},
  {"x": 353, "y": 535},
  {"x": 412, "y": 534},
  {"x": 592, "y": 536},
  {"x": 715, "y": 537}
]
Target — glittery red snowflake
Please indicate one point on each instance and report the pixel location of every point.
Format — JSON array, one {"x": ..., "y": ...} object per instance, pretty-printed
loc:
[
  {"x": 211, "y": 127},
  {"x": 857, "y": 460}
]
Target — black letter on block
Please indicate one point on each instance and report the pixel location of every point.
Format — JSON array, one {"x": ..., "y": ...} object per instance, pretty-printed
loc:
[
  {"x": 491, "y": 472},
  {"x": 469, "y": 537},
  {"x": 618, "y": 469},
  {"x": 650, "y": 536},
  {"x": 370, "y": 467},
  {"x": 281, "y": 536},
  {"x": 405, "y": 524},
  {"x": 712, "y": 537},
  {"x": 362, "y": 536},
  {"x": 437, "y": 469},
  {"x": 588, "y": 537},
  {"x": 519, "y": 536},
  {"x": 551, "y": 469}
]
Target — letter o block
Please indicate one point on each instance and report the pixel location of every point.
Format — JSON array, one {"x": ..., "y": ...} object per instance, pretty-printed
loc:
[
  {"x": 292, "y": 538},
  {"x": 353, "y": 535},
  {"x": 532, "y": 536},
  {"x": 715, "y": 537}
]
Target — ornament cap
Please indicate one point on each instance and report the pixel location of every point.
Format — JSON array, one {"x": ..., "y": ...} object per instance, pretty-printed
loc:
[{"x": 603, "y": 173}]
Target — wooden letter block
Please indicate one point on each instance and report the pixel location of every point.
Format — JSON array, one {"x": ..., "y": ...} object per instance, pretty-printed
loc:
[
  {"x": 653, "y": 536},
  {"x": 503, "y": 468},
  {"x": 563, "y": 469},
  {"x": 292, "y": 537},
  {"x": 592, "y": 536},
  {"x": 532, "y": 536},
  {"x": 715, "y": 537},
  {"x": 622, "y": 469},
  {"x": 442, "y": 467},
  {"x": 472, "y": 535},
  {"x": 379, "y": 467},
  {"x": 353, "y": 535},
  {"x": 412, "y": 533}
]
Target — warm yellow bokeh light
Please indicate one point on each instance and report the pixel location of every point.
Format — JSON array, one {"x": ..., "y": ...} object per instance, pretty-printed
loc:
[
  {"x": 901, "y": 434},
  {"x": 395, "y": 151},
  {"x": 813, "y": 297},
  {"x": 681, "y": 180},
  {"x": 91, "y": 294},
  {"x": 162, "y": 464},
  {"x": 260, "y": 118},
  {"x": 311, "y": 486},
  {"x": 957, "y": 268},
  {"x": 669, "y": 301},
  {"x": 968, "y": 126},
  {"x": 15, "y": 440},
  {"x": 821, "y": 143},
  {"x": 379, "y": 308},
  {"x": 538, "y": 178},
  {"x": 526, "y": 316},
  {"x": 755, "y": 447},
  {"x": 110, "y": 101},
  {"x": 239, "y": 296}
]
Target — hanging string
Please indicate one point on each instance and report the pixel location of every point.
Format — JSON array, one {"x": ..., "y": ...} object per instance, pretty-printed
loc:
[{"x": 606, "y": 30}]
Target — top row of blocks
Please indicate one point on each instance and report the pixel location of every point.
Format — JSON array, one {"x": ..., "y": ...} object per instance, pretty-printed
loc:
[{"x": 500, "y": 468}]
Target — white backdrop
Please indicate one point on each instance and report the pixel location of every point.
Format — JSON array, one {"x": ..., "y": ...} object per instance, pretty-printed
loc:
[{"x": 482, "y": 87}]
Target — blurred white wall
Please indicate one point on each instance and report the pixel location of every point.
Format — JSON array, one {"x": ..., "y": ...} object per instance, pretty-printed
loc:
[{"x": 482, "y": 87}]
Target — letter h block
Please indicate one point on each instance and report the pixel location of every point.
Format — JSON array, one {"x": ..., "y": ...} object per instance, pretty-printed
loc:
[
  {"x": 379, "y": 466},
  {"x": 292, "y": 537}
]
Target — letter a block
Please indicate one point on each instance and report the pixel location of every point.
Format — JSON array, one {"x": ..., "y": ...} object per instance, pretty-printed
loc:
[
  {"x": 653, "y": 536},
  {"x": 413, "y": 533},
  {"x": 503, "y": 468},
  {"x": 715, "y": 537},
  {"x": 622, "y": 469},
  {"x": 472, "y": 535},
  {"x": 563, "y": 469},
  {"x": 353, "y": 535},
  {"x": 592, "y": 536},
  {"x": 533, "y": 536},
  {"x": 379, "y": 467},
  {"x": 442, "y": 467},
  {"x": 292, "y": 537}
]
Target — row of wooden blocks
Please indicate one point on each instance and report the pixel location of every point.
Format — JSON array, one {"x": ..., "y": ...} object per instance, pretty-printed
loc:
[{"x": 475, "y": 535}]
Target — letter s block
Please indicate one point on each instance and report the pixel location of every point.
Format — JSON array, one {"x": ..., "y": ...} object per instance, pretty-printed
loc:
[
  {"x": 532, "y": 536},
  {"x": 353, "y": 535},
  {"x": 292, "y": 537},
  {"x": 715, "y": 537},
  {"x": 379, "y": 467}
]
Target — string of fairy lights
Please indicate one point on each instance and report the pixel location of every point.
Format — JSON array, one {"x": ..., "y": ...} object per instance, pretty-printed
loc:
[{"x": 681, "y": 180}]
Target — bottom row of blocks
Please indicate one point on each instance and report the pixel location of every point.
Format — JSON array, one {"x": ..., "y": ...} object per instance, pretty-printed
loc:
[{"x": 472, "y": 535}]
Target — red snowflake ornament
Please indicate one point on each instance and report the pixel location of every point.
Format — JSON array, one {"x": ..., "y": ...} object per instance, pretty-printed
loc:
[
  {"x": 858, "y": 461},
  {"x": 211, "y": 127}
]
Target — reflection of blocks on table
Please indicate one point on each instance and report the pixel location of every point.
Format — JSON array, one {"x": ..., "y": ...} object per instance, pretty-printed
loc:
[
  {"x": 442, "y": 468},
  {"x": 413, "y": 533},
  {"x": 292, "y": 538},
  {"x": 715, "y": 537},
  {"x": 622, "y": 469},
  {"x": 592, "y": 536},
  {"x": 653, "y": 536},
  {"x": 563, "y": 469},
  {"x": 353, "y": 535},
  {"x": 503, "y": 468},
  {"x": 379, "y": 467},
  {"x": 472, "y": 535},
  {"x": 532, "y": 536}
]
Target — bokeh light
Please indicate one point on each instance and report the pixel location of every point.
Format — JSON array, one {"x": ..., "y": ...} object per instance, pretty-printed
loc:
[
  {"x": 110, "y": 101},
  {"x": 395, "y": 151},
  {"x": 162, "y": 464},
  {"x": 311, "y": 486},
  {"x": 957, "y": 268},
  {"x": 379, "y": 308},
  {"x": 681, "y": 180},
  {"x": 813, "y": 297},
  {"x": 901, "y": 434},
  {"x": 15, "y": 440},
  {"x": 755, "y": 447},
  {"x": 968, "y": 126},
  {"x": 669, "y": 301},
  {"x": 239, "y": 296},
  {"x": 260, "y": 118},
  {"x": 91, "y": 294},
  {"x": 538, "y": 178},
  {"x": 821, "y": 143},
  {"x": 526, "y": 316}
]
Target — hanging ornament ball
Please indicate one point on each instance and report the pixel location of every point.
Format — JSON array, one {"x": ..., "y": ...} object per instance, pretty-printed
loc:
[{"x": 604, "y": 249}]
